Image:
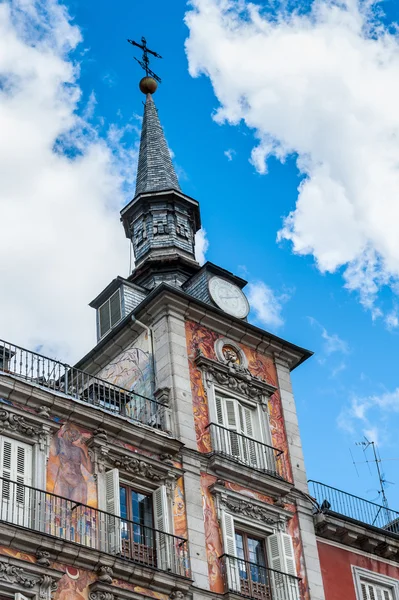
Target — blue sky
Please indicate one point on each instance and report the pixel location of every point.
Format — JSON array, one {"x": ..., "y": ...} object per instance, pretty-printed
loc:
[{"x": 354, "y": 369}]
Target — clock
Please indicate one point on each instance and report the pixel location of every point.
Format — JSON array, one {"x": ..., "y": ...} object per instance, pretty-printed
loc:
[{"x": 228, "y": 297}]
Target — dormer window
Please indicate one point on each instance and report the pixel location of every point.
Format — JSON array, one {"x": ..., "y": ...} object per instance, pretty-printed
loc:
[{"x": 109, "y": 313}]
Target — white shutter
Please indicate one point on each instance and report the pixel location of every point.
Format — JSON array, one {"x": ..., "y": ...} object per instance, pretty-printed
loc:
[
  {"x": 19, "y": 596},
  {"x": 165, "y": 549},
  {"x": 112, "y": 523},
  {"x": 230, "y": 550},
  {"x": 372, "y": 591},
  {"x": 247, "y": 429},
  {"x": 280, "y": 553},
  {"x": 15, "y": 466},
  {"x": 231, "y": 420}
]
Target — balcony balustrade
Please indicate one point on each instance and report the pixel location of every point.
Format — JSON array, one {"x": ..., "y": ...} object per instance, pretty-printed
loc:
[
  {"x": 257, "y": 581},
  {"x": 64, "y": 519},
  {"x": 247, "y": 451},
  {"x": 332, "y": 500},
  {"x": 60, "y": 377}
]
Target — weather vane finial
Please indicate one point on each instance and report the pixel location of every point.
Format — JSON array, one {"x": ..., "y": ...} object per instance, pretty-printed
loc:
[{"x": 148, "y": 84}]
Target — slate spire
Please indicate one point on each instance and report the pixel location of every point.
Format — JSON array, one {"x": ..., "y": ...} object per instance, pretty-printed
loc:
[{"x": 155, "y": 171}]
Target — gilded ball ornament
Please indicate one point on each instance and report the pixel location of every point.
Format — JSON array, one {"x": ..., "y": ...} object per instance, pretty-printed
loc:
[{"x": 148, "y": 85}]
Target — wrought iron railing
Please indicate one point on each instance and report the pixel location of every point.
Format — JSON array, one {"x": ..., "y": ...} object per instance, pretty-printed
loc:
[
  {"x": 247, "y": 451},
  {"x": 332, "y": 500},
  {"x": 68, "y": 520},
  {"x": 257, "y": 581},
  {"x": 60, "y": 377}
]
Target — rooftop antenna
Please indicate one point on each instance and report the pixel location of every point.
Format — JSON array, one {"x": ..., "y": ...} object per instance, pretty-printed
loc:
[{"x": 377, "y": 460}]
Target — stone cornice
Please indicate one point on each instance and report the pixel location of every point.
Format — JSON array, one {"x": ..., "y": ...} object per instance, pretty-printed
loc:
[
  {"x": 357, "y": 535},
  {"x": 234, "y": 377}
]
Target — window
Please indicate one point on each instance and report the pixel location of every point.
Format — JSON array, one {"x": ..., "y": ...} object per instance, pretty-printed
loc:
[
  {"x": 373, "y": 586},
  {"x": 137, "y": 524},
  {"x": 259, "y": 567},
  {"x": 109, "y": 313},
  {"x": 15, "y": 474},
  {"x": 238, "y": 434}
]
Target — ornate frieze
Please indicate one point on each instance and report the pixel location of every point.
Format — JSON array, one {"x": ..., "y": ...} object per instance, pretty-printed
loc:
[
  {"x": 105, "y": 574},
  {"x": 136, "y": 466},
  {"x": 43, "y": 557},
  {"x": 98, "y": 595}
]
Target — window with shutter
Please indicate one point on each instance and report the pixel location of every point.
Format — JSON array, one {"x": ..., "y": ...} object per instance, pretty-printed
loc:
[
  {"x": 374, "y": 586},
  {"x": 165, "y": 548},
  {"x": 281, "y": 558},
  {"x": 16, "y": 474},
  {"x": 109, "y": 313},
  {"x": 230, "y": 550},
  {"x": 19, "y": 596},
  {"x": 235, "y": 439},
  {"x": 373, "y": 591}
]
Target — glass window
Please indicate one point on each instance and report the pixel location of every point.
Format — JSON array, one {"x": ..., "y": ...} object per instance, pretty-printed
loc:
[{"x": 136, "y": 508}]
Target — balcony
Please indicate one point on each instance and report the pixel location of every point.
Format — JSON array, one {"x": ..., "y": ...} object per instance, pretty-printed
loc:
[
  {"x": 352, "y": 507},
  {"x": 69, "y": 521},
  {"x": 230, "y": 448},
  {"x": 55, "y": 376},
  {"x": 258, "y": 582}
]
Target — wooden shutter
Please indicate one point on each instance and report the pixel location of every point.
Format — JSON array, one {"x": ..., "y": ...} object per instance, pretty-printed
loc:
[
  {"x": 231, "y": 420},
  {"x": 113, "y": 508},
  {"x": 165, "y": 549},
  {"x": 280, "y": 553},
  {"x": 247, "y": 429},
  {"x": 104, "y": 318},
  {"x": 15, "y": 466},
  {"x": 115, "y": 308},
  {"x": 230, "y": 550}
]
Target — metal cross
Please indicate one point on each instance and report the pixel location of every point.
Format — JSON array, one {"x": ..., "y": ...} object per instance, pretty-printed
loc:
[{"x": 146, "y": 61}]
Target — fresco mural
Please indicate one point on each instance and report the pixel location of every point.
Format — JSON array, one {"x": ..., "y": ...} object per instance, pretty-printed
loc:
[
  {"x": 132, "y": 369},
  {"x": 179, "y": 510},
  {"x": 213, "y": 540},
  {"x": 69, "y": 468},
  {"x": 199, "y": 337}
]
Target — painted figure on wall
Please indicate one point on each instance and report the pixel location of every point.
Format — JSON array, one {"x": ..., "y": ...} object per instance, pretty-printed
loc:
[
  {"x": 132, "y": 369},
  {"x": 69, "y": 464}
]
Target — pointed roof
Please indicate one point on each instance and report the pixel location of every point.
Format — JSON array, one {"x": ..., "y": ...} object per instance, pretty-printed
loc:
[{"x": 155, "y": 171}]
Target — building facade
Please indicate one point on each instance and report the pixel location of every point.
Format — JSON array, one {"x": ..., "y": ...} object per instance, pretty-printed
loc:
[
  {"x": 167, "y": 463},
  {"x": 358, "y": 543}
]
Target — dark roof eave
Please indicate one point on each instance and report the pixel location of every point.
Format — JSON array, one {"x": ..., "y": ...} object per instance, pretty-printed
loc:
[{"x": 163, "y": 287}]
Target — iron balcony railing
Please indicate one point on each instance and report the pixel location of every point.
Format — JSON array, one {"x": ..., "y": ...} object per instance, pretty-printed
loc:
[
  {"x": 55, "y": 516},
  {"x": 247, "y": 451},
  {"x": 332, "y": 500},
  {"x": 257, "y": 581},
  {"x": 60, "y": 377}
]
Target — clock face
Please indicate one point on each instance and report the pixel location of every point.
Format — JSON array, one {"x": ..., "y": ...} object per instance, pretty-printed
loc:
[{"x": 228, "y": 297}]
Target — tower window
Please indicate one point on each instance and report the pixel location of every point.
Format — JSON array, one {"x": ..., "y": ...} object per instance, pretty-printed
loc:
[{"x": 110, "y": 313}]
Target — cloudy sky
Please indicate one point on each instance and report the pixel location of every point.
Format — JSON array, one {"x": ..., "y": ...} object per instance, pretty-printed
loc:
[{"x": 284, "y": 125}]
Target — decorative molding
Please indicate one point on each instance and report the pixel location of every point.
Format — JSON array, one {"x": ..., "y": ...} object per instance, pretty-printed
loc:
[
  {"x": 162, "y": 395},
  {"x": 177, "y": 595},
  {"x": 105, "y": 574},
  {"x": 26, "y": 427},
  {"x": 234, "y": 377},
  {"x": 43, "y": 557},
  {"x": 136, "y": 466},
  {"x": 98, "y": 595},
  {"x": 224, "y": 357},
  {"x": 18, "y": 576}
]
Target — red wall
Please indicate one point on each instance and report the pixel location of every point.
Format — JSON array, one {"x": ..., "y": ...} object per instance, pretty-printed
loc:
[{"x": 336, "y": 567}]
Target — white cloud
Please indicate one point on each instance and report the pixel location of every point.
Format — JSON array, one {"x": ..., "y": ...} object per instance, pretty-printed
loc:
[
  {"x": 371, "y": 414},
  {"x": 331, "y": 342},
  {"x": 61, "y": 240},
  {"x": 392, "y": 319},
  {"x": 265, "y": 304},
  {"x": 229, "y": 154},
  {"x": 324, "y": 85},
  {"x": 201, "y": 246}
]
